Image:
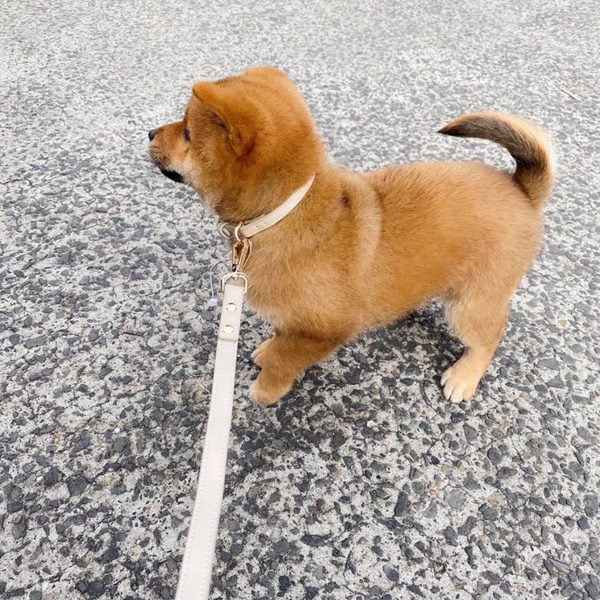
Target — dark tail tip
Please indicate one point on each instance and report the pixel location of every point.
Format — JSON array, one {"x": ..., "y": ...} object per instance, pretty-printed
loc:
[
  {"x": 473, "y": 127},
  {"x": 527, "y": 144}
]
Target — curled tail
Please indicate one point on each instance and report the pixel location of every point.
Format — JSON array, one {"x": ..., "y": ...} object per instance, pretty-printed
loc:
[{"x": 528, "y": 144}]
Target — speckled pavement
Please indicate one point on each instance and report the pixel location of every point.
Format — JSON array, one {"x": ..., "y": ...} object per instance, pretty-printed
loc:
[{"x": 364, "y": 482}]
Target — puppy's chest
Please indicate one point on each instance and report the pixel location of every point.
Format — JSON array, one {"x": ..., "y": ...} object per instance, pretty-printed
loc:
[
  {"x": 276, "y": 299},
  {"x": 305, "y": 298},
  {"x": 273, "y": 315}
]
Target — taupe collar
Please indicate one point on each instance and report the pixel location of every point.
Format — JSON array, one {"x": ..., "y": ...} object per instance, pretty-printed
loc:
[{"x": 251, "y": 228}]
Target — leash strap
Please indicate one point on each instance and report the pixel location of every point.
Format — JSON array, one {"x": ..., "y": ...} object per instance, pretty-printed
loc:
[{"x": 196, "y": 569}]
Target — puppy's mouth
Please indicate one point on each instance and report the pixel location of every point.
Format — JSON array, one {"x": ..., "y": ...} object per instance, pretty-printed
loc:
[
  {"x": 158, "y": 161},
  {"x": 172, "y": 175}
]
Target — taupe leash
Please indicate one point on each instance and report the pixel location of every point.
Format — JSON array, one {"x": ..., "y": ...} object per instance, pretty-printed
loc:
[
  {"x": 196, "y": 568},
  {"x": 195, "y": 575}
]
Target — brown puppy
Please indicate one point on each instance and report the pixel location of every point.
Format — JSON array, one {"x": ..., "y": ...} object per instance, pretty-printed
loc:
[{"x": 359, "y": 251}]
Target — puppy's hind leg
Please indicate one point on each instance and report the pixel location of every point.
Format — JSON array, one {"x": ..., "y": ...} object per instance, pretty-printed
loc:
[{"x": 479, "y": 320}]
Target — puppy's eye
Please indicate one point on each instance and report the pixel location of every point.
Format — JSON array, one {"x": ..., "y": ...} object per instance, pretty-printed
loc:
[{"x": 186, "y": 134}]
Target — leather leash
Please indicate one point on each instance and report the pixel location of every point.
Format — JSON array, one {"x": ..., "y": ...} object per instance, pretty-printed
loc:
[
  {"x": 195, "y": 575},
  {"x": 196, "y": 569}
]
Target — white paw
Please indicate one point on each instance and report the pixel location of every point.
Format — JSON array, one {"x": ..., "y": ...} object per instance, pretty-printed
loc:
[
  {"x": 263, "y": 393},
  {"x": 255, "y": 394},
  {"x": 457, "y": 384}
]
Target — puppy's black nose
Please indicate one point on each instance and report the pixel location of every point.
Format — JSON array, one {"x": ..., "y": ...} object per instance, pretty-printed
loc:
[{"x": 151, "y": 134}]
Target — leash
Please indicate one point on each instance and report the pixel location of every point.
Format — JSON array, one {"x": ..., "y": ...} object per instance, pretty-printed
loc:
[
  {"x": 196, "y": 568},
  {"x": 195, "y": 576}
]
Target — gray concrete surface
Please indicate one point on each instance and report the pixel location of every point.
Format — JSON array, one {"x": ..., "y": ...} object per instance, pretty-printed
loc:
[{"x": 364, "y": 482}]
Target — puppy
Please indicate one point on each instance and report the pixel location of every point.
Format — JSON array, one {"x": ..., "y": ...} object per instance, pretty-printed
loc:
[{"x": 359, "y": 251}]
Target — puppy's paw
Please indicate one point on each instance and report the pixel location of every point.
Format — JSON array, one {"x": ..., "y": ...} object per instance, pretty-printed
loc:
[
  {"x": 266, "y": 391},
  {"x": 460, "y": 382},
  {"x": 258, "y": 356}
]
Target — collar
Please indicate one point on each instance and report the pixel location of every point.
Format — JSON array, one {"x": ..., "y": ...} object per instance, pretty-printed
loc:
[{"x": 251, "y": 228}]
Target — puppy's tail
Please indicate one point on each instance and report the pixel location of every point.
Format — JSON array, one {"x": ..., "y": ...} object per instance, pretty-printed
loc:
[{"x": 528, "y": 144}]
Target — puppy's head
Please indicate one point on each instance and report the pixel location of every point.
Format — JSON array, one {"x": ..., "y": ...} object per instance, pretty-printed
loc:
[{"x": 242, "y": 140}]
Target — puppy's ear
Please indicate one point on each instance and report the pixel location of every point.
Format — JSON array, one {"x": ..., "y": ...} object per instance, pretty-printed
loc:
[{"x": 236, "y": 112}]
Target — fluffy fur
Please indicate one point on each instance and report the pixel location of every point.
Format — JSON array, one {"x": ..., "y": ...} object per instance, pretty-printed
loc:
[{"x": 360, "y": 251}]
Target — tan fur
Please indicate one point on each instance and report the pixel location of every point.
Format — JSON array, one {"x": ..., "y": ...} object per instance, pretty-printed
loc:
[{"x": 360, "y": 251}]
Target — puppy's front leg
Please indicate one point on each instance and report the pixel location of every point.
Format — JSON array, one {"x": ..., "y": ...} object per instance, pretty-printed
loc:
[{"x": 282, "y": 358}]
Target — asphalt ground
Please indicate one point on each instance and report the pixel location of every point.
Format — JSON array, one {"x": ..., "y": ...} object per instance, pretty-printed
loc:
[{"x": 363, "y": 482}]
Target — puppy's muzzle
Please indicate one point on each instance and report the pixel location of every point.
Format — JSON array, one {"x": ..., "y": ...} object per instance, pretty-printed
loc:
[{"x": 172, "y": 175}]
